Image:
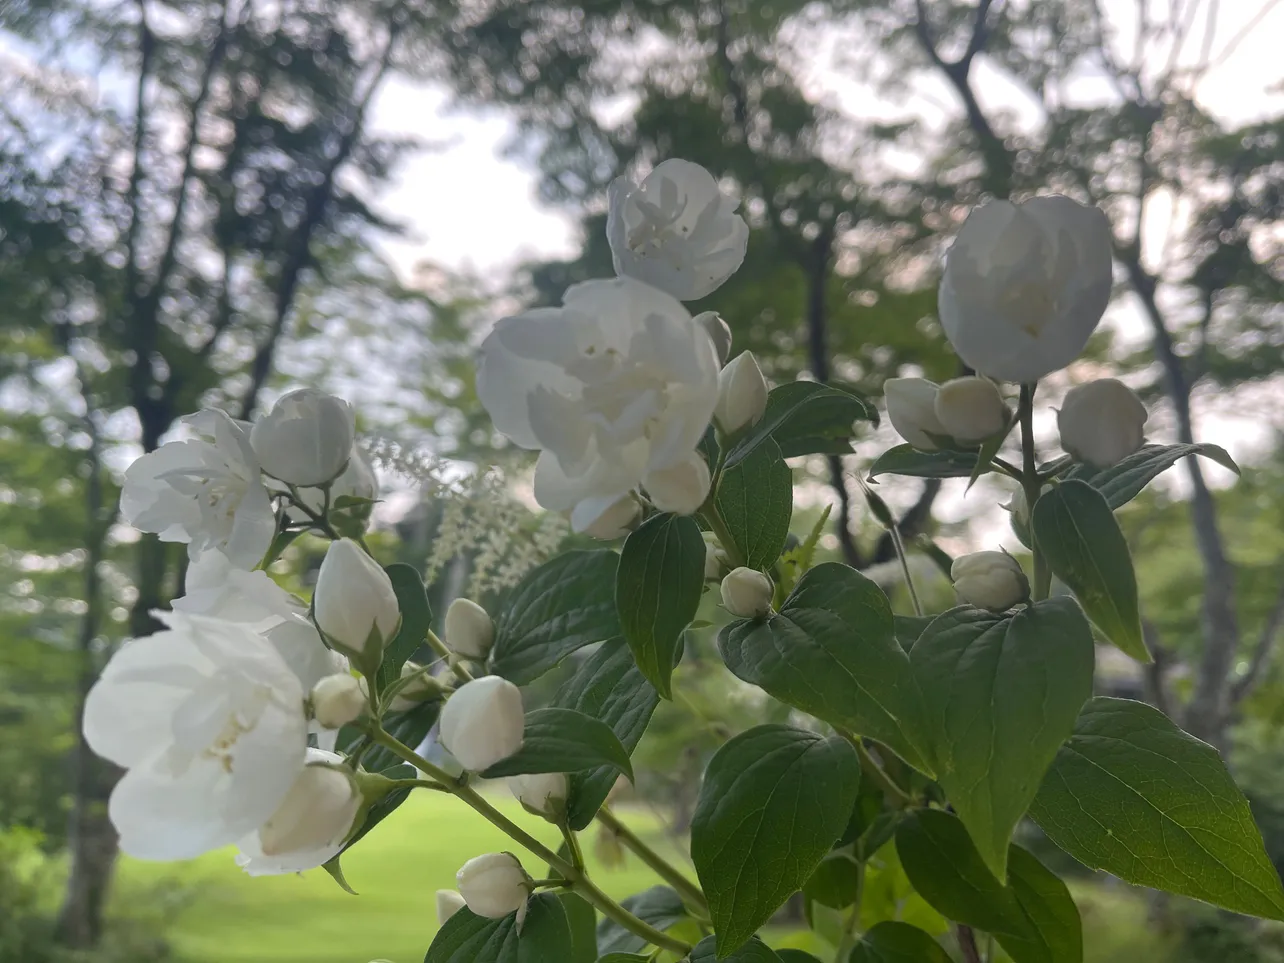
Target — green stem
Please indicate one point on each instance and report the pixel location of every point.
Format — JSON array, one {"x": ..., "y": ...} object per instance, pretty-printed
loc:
[
  {"x": 1009, "y": 469},
  {"x": 437, "y": 645},
  {"x": 869, "y": 765},
  {"x": 689, "y": 891},
  {"x": 852, "y": 924},
  {"x": 577, "y": 877},
  {"x": 1032, "y": 486},
  {"x": 573, "y": 846}
]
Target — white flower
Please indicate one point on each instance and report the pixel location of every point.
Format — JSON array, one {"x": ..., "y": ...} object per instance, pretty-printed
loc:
[
  {"x": 747, "y": 593},
  {"x": 470, "y": 631},
  {"x": 544, "y": 793},
  {"x": 614, "y": 385},
  {"x": 206, "y": 491},
  {"x": 680, "y": 488},
  {"x": 989, "y": 580},
  {"x": 309, "y": 827},
  {"x": 483, "y": 722},
  {"x": 970, "y": 409},
  {"x": 494, "y": 885},
  {"x": 718, "y": 330},
  {"x": 306, "y": 438},
  {"x": 742, "y": 393},
  {"x": 1102, "y": 422},
  {"x": 339, "y": 699},
  {"x": 354, "y": 603},
  {"x": 449, "y": 902},
  {"x": 618, "y": 520},
  {"x": 676, "y": 231},
  {"x": 911, "y": 408},
  {"x": 209, "y": 722},
  {"x": 1025, "y": 285}
]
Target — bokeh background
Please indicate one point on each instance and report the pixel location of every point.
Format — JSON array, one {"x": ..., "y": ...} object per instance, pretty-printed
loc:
[{"x": 207, "y": 202}]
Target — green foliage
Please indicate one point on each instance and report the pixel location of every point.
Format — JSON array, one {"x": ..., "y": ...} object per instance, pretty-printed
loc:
[
  {"x": 755, "y": 500},
  {"x": 416, "y": 620},
  {"x": 753, "y": 951},
  {"x": 563, "y": 740},
  {"x": 658, "y": 906},
  {"x": 892, "y": 942},
  {"x": 804, "y": 418},
  {"x": 1124, "y": 480},
  {"x": 908, "y": 460},
  {"x": 582, "y": 920},
  {"x": 544, "y": 937}
]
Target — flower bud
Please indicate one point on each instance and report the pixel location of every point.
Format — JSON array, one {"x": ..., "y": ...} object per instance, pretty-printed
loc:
[
  {"x": 970, "y": 409},
  {"x": 680, "y": 488},
  {"x": 718, "y": 330},
  {"x": 483, "y": 722},
  {"x": 494, "y": 885},
  {"x": 306, "y": 438},
  {"x": 544, "y": 793},
  {"x": 911, "y": 407},
  {"x": 742, "y": 393},
  {"x": 989, "y": 580},
  {"x": 617, "y": 520},
  {"x": 747, "y": 593},
  {"x": 1102, "y": 422},
  {"x": 470, "y": 632},
  {"x": 422, "y": 688},
  {"x": 354, "y": 603},
  {"x": 449, "y": 902},
  {"x": 714, "y": 557},
  {"x": 338, "y": 699}
]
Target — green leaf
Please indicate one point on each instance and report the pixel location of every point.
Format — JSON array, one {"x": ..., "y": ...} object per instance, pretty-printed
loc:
[
  {"x": 659, "y": 906},
  {"x": 657, "y": 591},
  {"x": 892, "y": 942},
  {"x": 906, "y": 460},
  {"x": 1078, "y": 534},
  {"x": 624, "y": 958},
  {"x": 1132, "y": 794},
  {"x": 755, "y": 498},
  {"x": 416, "y": 620},
  {"x": 467, "y": 938},
  {"x": 753, "y": 951},
  {"x": 610, "y": 687},
  {"x": 806, "y": 418},
  {"x": 1034, "y": 917},
  {"x": 384, "y": 807},
  {"x": 910, "y": 627},
  {"x": 410, "y": 728},
  {"x": 1002, "y": 693},
  {"x": 836, "y": 882},
  {"x": 831, "y": 651},
  {"x": 565, "y": 604},
  {"x": 563, "y": 740},
  {"x": 790, "y": 955},
  {"x": 1124, "y": 480},
  {"x": 774, "y": 800},
  {"x": 582, "y": 920}
]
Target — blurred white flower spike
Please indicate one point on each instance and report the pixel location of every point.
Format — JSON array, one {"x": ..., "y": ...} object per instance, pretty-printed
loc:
[
  {"x": 1025, "y": 286},
  {"x": 206, "y": 491},
  {"x": 616, "y": 384},
  {"x": 676, "y": 230}
]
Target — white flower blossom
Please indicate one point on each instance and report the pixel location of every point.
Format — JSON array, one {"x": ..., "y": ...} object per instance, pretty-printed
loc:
[
  {"x": 206, "y": 491},
  {"x": 616, "y": 384},
  {"x": 1102, "y": 422},
  {"x": 676, "y": 230},
  {"x": 306, "y": 439}
]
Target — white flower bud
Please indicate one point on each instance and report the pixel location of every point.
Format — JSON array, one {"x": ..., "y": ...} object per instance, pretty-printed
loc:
[
  {"x": 338, "y": 699},
  {"x": 970, "y": 409},
  {"x": 544, "y": 793},
  {"x": 422, "y": 688},
  {"x": 306, "y": 438},
  {"x": 494, "y": 885},
  {"x": 317, "y": 813},
  {"x": 747, "y": 593},
  {"x": 718, "y": 330},
  {"x": 1102, "y": 422},
  {"x": 449, "y": 902},
  {"x": 617, "y": 520},
  {"x": 680, "y": 488},
  {"x": 989, "y": 580},
  {"x": 911, "y": 407},
  {"x": 742, "y": 393},
  {"x": 483, "y": 722},
  {"x": 470, "y": 632},
  {"x": 354, "y": 602},
  {"x": 714, "y": 557}
]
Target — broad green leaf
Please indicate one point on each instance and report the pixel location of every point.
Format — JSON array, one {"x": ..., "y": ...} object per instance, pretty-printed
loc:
[
  {"x": 659, "y": 906},
  {"x": 565, "y": 604},
  {"x": 892, "y": 942},
  {"x": 624, "y": 958},
  {"x": 545, "y": 937},
  {"x": 906, "y": 460},
  {"x": 1132, "y": 794},
  {"x": 806, "y": 418},
  {"x": 909, "y": 628},
  {"x": 657, "y": 591},
  {"x": 1033, "y": 918},
  {"x": 755, "y": 498},
  {"x": 831, "y": 651},
  {"x": 753, "y": 951},
  {"x": 1001, "y": 693},
  {"x": 1077, "y": 533},
  {"x": 836, "y": 882},
  {"x": 610, "y": 687},
  {"x": 774, "y": 800},
  {"x": 790, "y": 955},
  {"x": 416, "y": 620},
  {"x": 563, "y": 740},
  {"x": 1124, "y": 480},
  {"x": 582, "y": 920}
]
